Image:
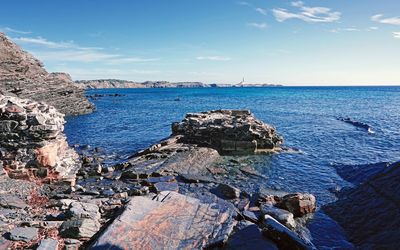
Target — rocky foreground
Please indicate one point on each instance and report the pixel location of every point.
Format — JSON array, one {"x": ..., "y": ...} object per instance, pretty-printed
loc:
[
  {"x": 173, "y": 195},
  {"x": 23, "y": 75}
]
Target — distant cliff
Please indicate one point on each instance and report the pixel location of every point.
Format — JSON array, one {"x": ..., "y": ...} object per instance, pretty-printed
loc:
[
  {"x": 115, "y": 83},
  {"x": 23, "y": 75}
]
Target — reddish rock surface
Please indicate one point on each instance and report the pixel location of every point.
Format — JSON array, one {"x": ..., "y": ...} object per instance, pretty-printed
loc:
[
  {"x": 298, "y": 204},
  {"x": 161, "y": 223}
]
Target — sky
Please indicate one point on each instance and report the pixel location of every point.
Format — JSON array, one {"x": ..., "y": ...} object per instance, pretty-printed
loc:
[{"x": 325, "y": 42}]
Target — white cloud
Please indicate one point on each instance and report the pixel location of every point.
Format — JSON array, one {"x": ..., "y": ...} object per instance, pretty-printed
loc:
[
  {"x": 307, "y": 14},
  {"x": 213, "y": 58},
  {"x": 257, "y": 25},
  {"x": 351, "y": 29},
  {"x": 69, "y": 51},
  {"x": 261, "y": 11},
  {"x": 396, "y": 34},
  {"x": 11, "y": 30},
  {"x": 392, "y": 20}
]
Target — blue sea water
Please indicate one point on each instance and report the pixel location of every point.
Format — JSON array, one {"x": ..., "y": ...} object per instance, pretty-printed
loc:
[{"x": 304, "y": 116}]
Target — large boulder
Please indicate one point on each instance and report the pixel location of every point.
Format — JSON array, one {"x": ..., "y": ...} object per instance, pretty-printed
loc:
[
  {"x": 168, "y": 221},
  {"x": 32, "y": 141},
  {"x": 298, "y": 204},
  {"x": 24, "y": 76},
  {"x": 228, "y": 131}
]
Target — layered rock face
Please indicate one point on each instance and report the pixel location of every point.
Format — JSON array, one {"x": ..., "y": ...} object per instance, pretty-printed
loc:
[
  {"x": 114, "y": 83},
  {"x": 32, "y": 141},
  {"x": 24, "y": 76},
  {"x": 228, "y": 131}
]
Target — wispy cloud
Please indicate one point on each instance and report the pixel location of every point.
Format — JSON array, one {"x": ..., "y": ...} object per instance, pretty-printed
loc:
[
  {"x": 351, "y": 29},
  {"x": 258, "y": 25},
  {"x": 260, "y": 10},
  {"x": 47, "y": 50},
  {"x": 396, "y": 34},
  {"x": 11, "y": 30},
  {"x": 392, "y": 20},
  {"x": 307, "y": 14},
  {"x": 213, "y": 58}
]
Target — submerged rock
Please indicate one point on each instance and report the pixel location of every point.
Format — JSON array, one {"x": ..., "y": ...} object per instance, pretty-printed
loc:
[
  {"x": 169, "y": 221},
  {"x": 228, "y": 131}
]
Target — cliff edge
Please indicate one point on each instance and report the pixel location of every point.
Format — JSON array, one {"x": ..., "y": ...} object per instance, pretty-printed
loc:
[{"x": 24, "y": 76}]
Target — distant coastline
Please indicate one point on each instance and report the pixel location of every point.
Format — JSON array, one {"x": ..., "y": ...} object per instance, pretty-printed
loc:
[{"x": 121, "y": 84}]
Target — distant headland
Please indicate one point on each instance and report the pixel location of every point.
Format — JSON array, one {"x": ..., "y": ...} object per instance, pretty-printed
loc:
[{"x": 116, "y": 83}]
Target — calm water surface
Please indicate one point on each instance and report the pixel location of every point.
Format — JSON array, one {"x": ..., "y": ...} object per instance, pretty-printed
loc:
[{"x": 304, "y": 116}]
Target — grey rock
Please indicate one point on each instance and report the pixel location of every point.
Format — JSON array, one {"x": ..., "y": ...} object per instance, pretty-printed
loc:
[
  {"x": 78, "y": 229},
  {"x": 283, "y": 216},
  {"x": 24, "y": 234},
  {"x": 81, "y": 210},
  {"x": 11, "y": 201},
  {"x": 48, "y": 244},
  {"x": 228, "y": 191},
  {"x": 250, "y": 237}
]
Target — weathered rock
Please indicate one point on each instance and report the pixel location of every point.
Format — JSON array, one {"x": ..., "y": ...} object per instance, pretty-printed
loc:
[
  {"x": 228, "y": 191},
  {"x": 81, "y": 210},
  {"x": 282, "y": 236},
  {"x": 162, "y": 223},
  {"x": 280, "y": 215},
  {"x": 36, "y": 146},
  {"x": 250, "y": 216},
  {"x": 228, "y": 131},
  {"x": 24, "y": 234},
  {"x": 11, "y": 201},
  {"x": 48, "y": 244},
  {"x": 24, "y": 76},
  {"x": 298, "y": 204},
  {"x": 78, "y": 229},
  {"x": 250, "y": 238},
  {"x": 166, "y": 186}
]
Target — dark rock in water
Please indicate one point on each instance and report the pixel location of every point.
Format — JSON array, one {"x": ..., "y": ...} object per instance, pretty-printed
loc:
[
  {"x": 356, "y": 124},
  {"x": 370, "y": 212},
  {"x": 249, "y": 170},
  {"x": 24, "y": 76},
  {"x": 169, "y": 221},
  {"x": 228, "y": 191},
  {"x": 250, "y": 238},
  {"x": 24, "y": 234},
  {"x": 282, "y": 236},
  {"x": 358, "y": 174},
  {"x": 228, "y": 131},
  {"x": 78, "y": 229},
  {"x": 298, "y": 204}
]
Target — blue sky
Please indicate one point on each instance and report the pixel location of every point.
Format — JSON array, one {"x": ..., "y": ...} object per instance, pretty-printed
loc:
[{"x": 326, "y": 42}]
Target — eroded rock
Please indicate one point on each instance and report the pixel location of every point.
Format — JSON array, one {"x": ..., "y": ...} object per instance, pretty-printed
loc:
[{"x": 298, "y": 204}]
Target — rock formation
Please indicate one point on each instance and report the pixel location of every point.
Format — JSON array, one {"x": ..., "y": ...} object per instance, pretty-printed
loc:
[
  {"x": 370, "y": 212},
  {"x": 24, "y": 76},
  {"x": 32, "y": 141},
  {"x": 228, "y": 131}
]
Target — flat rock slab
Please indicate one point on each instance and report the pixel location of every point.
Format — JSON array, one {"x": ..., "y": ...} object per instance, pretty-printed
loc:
[
  {"x": 169, "y": 221},
  {"x": 24, "y": 234}
]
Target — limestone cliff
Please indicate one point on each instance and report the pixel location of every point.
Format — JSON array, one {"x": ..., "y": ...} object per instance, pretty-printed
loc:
[
  {"x": 123, "y": 84},
  {"x": 24, "y": 76}
]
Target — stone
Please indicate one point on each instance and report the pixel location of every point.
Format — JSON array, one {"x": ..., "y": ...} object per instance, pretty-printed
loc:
[
  {"x": 23, "y": 75},
  {"x": 250, "y": 216},
  {"x": 216, "y": 128},
  {"x": 11, "y": 201},
  {"x": 249, "y": 170},
  {"x": 228, "y": 191},
  {"x": 298, "y": 204},
  {"x": 162, "y": 223},
  {"x": 250, "y": 238},
  {"x": 48, "y": 244},
  {"x": 280, "y": 215},
  {"x": 81, "y": 210},
  {"x": 24, "y": 234},
  {"x": 166, "y": 186},
  {"x": 79, "y": 229},
  {"x": 282, "y": 236}
]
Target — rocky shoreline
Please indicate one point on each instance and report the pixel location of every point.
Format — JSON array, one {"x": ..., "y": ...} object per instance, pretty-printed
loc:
[{"x": 171, "y": 195}]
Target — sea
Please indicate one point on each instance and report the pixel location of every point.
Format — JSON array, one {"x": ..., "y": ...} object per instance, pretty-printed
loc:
[{"x": 306, "y": 117}]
